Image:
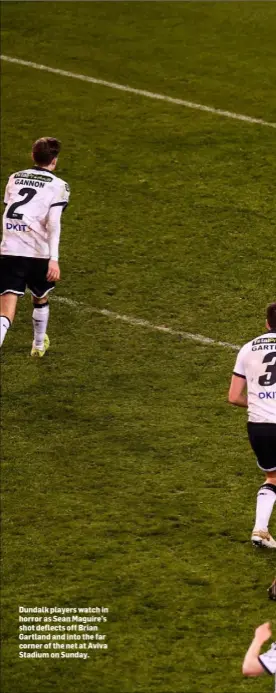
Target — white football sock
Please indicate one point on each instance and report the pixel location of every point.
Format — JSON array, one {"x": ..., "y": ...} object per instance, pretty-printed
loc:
[
  {"x": 265, "y": 501},
  {"x": 5, "y": 323},
  {"x": 40, "y": 321}
]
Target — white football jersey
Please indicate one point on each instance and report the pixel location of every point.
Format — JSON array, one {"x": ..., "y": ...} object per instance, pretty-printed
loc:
[
  {"x": 268, "y": 660},
  {"x": 29, "y": 197},
  {"x": 256, "y": 362}
]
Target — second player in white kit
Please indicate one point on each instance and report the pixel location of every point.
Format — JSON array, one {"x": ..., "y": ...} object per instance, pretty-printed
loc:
[{"x": 253, "y": 385}]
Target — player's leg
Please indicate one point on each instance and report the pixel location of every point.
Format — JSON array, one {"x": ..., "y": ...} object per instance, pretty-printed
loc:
[
  {"x": 8, "y": 303},
  {"x": 40, "y": 319},
  {"x": 263, "y": 441},
  {"x": 12, "y": 285},
  {"x": 40, "y": 288},
  {"x": 266, "y": 498}
]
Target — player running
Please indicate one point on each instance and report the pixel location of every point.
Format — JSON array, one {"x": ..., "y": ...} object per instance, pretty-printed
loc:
[
  {"x": 256, "y": 368},
  {"x": 35, "y": 199}
]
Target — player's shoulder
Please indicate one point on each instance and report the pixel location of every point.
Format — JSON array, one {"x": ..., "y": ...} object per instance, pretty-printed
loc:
[
  {"x": 12, "y": 176},
  {"x": 258, "y": 344},
  {"x": 17, "y": 176},
  {"x": 245, "y": 348},
  {"x": 263, "y": 340},
  {"x": 60, "y": 182},
  {"x": 60, "y": 191}
]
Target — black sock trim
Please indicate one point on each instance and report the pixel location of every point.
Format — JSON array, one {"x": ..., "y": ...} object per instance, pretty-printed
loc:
[
  {"x": 40, "y": 305},
  {"x": 272, "y": 487},
  {"x": 5, "y": 316}
]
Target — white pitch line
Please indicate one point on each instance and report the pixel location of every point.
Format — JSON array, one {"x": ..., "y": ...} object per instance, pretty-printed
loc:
[
  {"x": 140, "y": 92},
  {"x": 130, "y": 320}
]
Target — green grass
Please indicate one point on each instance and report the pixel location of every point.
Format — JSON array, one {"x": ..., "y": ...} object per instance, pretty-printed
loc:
[{"x": 127, "y": 480}]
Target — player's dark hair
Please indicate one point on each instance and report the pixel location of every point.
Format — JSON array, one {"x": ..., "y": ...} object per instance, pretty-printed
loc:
[
  {"x": 45, "y": 150},
  {"x": 271, "y": 316}
]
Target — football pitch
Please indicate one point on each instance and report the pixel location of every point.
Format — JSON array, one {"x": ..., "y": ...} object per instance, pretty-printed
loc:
[{"x": 127, "y": 479}]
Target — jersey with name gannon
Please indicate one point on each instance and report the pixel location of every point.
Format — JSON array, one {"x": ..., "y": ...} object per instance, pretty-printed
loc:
[
  {"x": 256, "y": 362},
  {"x": 29, "y": 197}
]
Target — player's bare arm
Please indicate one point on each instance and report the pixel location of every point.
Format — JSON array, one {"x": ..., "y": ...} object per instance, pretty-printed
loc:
[
  {"x": 251, "y": 664},
  {"x": 237, "y": 392},
  {"x": 54, "y": 230}
]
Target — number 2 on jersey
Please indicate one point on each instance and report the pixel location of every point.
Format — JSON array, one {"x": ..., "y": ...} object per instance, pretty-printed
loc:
[
  {"x": 269, "y": 377},
  {"x": 29, "y": 193}
]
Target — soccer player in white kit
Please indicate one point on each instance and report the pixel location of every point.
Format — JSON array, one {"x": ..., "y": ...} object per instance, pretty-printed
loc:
[
  {"x": 255, "y": 369},
  {"x": 34, "y": 201},
  {"x": 255, "y": 663}
]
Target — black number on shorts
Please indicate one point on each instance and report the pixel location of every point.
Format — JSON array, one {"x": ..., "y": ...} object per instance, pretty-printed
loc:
[
  {"x": 269, "y": 378},
  {"x": 29, "y": 193}
]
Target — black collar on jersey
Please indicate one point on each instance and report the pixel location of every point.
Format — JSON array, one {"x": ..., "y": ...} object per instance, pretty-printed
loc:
[{"x": 40, "y": 168}]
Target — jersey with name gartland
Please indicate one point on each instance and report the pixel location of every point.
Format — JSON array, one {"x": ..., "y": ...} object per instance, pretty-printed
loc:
[
  {"x": 256, "y": 362},
  {"x": 29, "y": 196}
]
